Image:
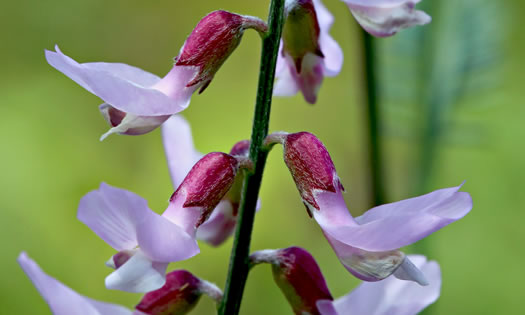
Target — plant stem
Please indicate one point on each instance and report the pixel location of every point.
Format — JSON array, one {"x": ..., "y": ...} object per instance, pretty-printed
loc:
[
  {"x": 374, "y": 150},
  {"x": 239, "y": 264}
]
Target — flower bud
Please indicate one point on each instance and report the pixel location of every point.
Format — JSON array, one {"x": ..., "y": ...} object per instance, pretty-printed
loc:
[
  {"x": 298, "y": 276},
  {"x": 178, "y": 296},
  {"x": 212, "y": 41},
  {"x": 203, "y": 188},
  {"x": 311, "y": 167}
]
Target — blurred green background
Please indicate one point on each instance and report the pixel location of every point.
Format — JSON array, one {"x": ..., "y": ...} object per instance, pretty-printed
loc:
[{"x": 51, "y": 155}]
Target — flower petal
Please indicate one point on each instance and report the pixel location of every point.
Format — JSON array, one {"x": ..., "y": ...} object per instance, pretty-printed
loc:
[
  {"x": 129, "y": 124},
  {"x": 61, "y": 299},
  {"x": 391, "y": 296},
  {"x": 164, "y": 241},
  {"x": 219, "y": 226},
  {"x": 394, "y": 225},
  {"x": 113, "y": 215},
  {"x": 447, "y": 202},
  {"x": 138, "y": 274},
  {"x": 333, "y": 54},
  {"x": 113, "y": 85},
  {"x": 385, "y": 18},
  {"x": 123, "y": 71},
  {"x": 180, "y": 150},
  {"x": 286, "y": 84}
]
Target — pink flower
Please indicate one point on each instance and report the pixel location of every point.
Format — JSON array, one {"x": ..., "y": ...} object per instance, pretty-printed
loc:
[
  {"x": 386, "y": 17},
  {"x": 147, "y": 242},
  {"x": 135, "y": 101},
  {"x": 181, "y": 155},
  {"x": 367, "y": 245},
  {"x": 308, "y": 53},
  {"x": 61, "y": 299}
]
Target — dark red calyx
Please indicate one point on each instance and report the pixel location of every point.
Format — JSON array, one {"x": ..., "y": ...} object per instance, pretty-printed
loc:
[{"x": 310, "y": 165}]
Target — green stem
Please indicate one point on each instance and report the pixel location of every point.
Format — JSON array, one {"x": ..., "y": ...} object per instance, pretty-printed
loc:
[
  {"x": 239, "y": 264},
  {"x": 374, "y": 150}
]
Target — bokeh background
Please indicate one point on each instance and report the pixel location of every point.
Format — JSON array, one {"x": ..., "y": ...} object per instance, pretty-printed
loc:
[{"x": 51, "y": 155}]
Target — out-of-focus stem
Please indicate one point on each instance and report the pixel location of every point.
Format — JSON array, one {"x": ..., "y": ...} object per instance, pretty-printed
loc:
[
  {"x": 371, "y": 93},
  {"x": 239, "y": 259}
]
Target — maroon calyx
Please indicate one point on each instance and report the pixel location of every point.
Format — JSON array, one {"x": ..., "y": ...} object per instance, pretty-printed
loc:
[
  {"x": 311, "y": 166},
  {"x": 212, "y": 41},
  {"x": 179, "y": 295},
  {"x": 208, "y": 182},
  {"x": 298, "y": 276}
]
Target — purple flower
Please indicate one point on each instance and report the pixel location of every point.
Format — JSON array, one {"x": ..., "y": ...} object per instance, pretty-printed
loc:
[
  {"x": 181, "y": 156},
  {"x": 367, "y": 245},
  {"x": 386, "y": 17},
  {"x": 308, "y": 53},
  {"x": 390, "y": 296},
  {"x": 61, "y": 299},
  {"x": 147, "y": 242},
  {"x": 124, "y": 220},
  {"x": 136, "y": 101}
]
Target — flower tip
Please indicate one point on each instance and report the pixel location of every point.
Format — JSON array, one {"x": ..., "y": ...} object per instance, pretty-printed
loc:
[
  {"x": 408, "y": 271},
  {"x": 106, "y": 134}
]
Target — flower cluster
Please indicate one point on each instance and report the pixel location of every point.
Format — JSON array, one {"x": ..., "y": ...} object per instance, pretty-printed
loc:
[{"x": 208, "y": 188}]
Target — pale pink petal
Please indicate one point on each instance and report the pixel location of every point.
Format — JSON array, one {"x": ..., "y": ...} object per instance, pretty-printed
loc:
[
  {"x": 286, "y": 84},
  {"x": 324, "y": 17},
  {"x": 385, "y": 18},
  {"x": 166, "y": 97},
  {"x": 365, "y": 265},
  {"x": 219, "y": 226},
  {"x": 163, "y": 241},
  {"x": 395, "y": 225},
  {"x": 61, "y": 299},
  {"x": 333, "y": 54},
  {"x": 138, "y": 274},
  {"x": 129, "y": 124},
  {"x": 123, "y": 71},
  {"x": 179, "y": 148},
  {"x": 113, "y": 215},
  {"x": 390, "y": 296}
]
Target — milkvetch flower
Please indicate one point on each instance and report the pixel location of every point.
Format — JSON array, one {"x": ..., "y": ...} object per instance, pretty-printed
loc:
[
  {"x": 386, "y": 17},
  {"x": 367, "y": 245},
  {"x": 136, "y": 101},
  {"x": 147, "y": 242},
  {"x": 390, "y": 296},
  {"x": 61, "y": 299},
  {"x": 181, "y": 155},
  {"x": 308, "y": 53}
]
